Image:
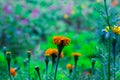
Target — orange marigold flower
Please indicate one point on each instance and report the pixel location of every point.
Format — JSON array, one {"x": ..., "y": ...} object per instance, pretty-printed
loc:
[
  {"x": 69, "y": 66},
  {"x": 114, "y": 3},
  {"x": 51, "y": 52},
  {"x": 61, "y": 40},
  {"x": 12, "y": 72},
  {"x": 116, "y": 29},
  {"x": 76, "y": 54}
]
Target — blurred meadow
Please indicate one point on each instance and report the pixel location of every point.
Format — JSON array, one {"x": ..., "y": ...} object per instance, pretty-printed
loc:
[{"x": 81, "y": 35}]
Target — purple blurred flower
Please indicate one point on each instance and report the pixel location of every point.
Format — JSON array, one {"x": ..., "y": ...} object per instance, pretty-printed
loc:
[
  {"x": 7, "y": 9},
  {"x": 17, "y": 17},
  {"x": 84, "y": 12},
  {"x": 25, "y": 21},
  {"x": 24, "y": 6},
  {"x": 68, "y": 8},
  {"x": 52, "y": 7},
  {"x": 35, "y": 13}
]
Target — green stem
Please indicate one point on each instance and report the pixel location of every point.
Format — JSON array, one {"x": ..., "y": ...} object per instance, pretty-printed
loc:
[
  {"x": 109, "y": 59},
  {"x": 60, "y": 47},
  {"x": 39, "y": 75},
  {"x": 92, "y": 69},
  {"x": 46, "y": 69},
  {"x": 88, "y": 77},
  {"x": 107, "y": 15},
  {"x": 109, "y": 46},
  {"x": 114, "y": 54},
  {"x": 57, "y": 65},
  {"x": 8, "y": 61},
  {"x": 53, "y": 62},
  {"x": 75, "y": 60},
  {"x": 29, "y": 69}
]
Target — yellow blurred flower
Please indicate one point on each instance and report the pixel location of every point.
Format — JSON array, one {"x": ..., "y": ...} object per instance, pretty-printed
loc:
[
  {"x": 88, "y": 73},
  {"x": 8, "y": 52},
  {"x": 69, "y": 66},
  {"x": 29, "y": 52},
  {"x": 107, "y": 29},
  {"x": 76, "y": 54},
  {"x": 66, "y": 16},
  {"x": 61, "y": 40},
  {"x": 116, "y": 29},
  {"x": 73, "y": 12},
  {"x": 98, "y": 1},
  {"x": 82, "y": 6}
]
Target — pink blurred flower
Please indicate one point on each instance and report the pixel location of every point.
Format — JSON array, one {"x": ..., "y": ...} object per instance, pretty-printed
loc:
[
  {"x": 35, "y": 13},
  {"x": 25, "y": 21},
  {"x": 7, "y": 9}
]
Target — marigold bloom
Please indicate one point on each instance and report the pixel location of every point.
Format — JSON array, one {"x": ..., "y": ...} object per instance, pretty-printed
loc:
[
  {"x": 51, "y": 52},
  {"x": 12, "y": 72},
  {"x": 69, "y": 66},
  {"x": 61, "y": 40},
  {"x": 116, "y": 29},
  {"x": 76, "y": 54}
]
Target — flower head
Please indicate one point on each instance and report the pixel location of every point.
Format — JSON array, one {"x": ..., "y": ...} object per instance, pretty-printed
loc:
[
  {"x": 29, "y": 52},
  {"x": 8, "y": 52},
  {"x": 66, "y": 16},
  {"x": 76, "y": 54},
  {"x": 12, "y": 71},
  {"x": 116, "y": 29},
  {"x": 61, "y": 40},
  {"x": 114, "y": 2},
  {"x": 51, "y": 52},
  {"x": 107, "y": 29},
  {"x": 69, "y": 66}
]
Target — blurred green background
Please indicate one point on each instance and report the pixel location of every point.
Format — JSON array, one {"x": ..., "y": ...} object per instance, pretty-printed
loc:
[{"x": 31, "y": 25}]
